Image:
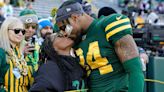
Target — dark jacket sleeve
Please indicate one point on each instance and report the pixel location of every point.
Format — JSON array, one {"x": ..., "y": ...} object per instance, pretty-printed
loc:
[{"x": 49, "y": 79}]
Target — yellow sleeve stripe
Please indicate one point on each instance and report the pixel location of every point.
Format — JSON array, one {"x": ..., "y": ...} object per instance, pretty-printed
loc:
[
  {"x": 109, "y": 26},
  {"x": 118, "y": 30}
]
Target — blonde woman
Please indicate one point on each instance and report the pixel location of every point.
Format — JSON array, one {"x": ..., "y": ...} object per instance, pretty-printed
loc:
[{"x": 14, "y": 75}]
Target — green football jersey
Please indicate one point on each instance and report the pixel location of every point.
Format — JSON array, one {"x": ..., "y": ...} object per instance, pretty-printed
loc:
[{"x": 96, "y": 51}]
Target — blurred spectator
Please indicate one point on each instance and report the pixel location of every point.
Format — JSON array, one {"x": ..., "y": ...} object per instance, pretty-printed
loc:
[
  {"x": 145, "y": 5},
  {"x": 144, "y": 58},
  {"x": 87, "y": 7},
  {"x": 45, "y": 28},
  {"x": 14, "y": 3},
  {"x": 31, "y": 50},
  {"x": 29, "y": 5},
  {"x": 30, "y": 20},
  {"x": 152, "y": 18},
  {"x": 1, "y": 17},
  {"x": 139, "y": 21},
  {"x": 160, "y": 8},
  {"x": 105, "y": 11},
  {"x": 7, "y": 9},
  {"x": 21, "y": 4}
]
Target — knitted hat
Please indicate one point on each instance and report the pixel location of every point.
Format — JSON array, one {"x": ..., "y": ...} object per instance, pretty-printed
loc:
[
  {"x": 44, "y": 22},
  {"x": 27, "y": 12},
  {"x": 106, "y": 11},
  {"x": 28, "y": 16}
]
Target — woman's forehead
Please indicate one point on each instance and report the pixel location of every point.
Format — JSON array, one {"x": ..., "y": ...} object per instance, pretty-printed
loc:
[{"x": 18, "y": 26}]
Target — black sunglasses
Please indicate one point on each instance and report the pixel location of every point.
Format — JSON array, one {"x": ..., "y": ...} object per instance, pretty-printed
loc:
[
  {"x": 17, "y": 31},
  {"x": 34, "y": 26},
  {"x": 62, "y": 27}
]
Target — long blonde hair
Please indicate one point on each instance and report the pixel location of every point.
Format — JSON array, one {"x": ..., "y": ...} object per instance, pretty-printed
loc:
[{"x": 9, "y": 23}]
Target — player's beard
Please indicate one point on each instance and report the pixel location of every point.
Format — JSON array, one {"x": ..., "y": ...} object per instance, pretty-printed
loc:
[{"x": 78, "y": 39}]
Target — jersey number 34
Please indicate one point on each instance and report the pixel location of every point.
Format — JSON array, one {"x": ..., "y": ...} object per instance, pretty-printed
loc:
[{"x": 94, "y": 60}]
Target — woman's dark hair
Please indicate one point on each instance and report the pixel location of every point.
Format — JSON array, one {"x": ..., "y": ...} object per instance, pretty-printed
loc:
[{"x": 50, "y": 54}]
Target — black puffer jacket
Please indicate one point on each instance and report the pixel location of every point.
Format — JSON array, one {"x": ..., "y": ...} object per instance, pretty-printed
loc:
[{"x": 50, "y": 78}]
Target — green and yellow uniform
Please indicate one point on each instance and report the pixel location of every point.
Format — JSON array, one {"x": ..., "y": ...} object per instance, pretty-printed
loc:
[
  {"x": 32, "y": 61},
  {"x": 10, "y": 82},
  {"x": 98, "y": 57}
]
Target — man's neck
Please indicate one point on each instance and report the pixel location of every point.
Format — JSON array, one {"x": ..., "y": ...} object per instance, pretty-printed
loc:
[{"x": 88, "y": 23}]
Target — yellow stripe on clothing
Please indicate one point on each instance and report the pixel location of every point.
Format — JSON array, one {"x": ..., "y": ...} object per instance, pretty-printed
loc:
[
  {"x": 26, "y": 81},
  {"x": 20, "y": 89},
  {"x": 23, "y": 88},
  {"x": 109, "y": 26},
  {"x": 29, "y": 75},
  {"x": 117, "y": 30},
  {"x": 11, "y": 77},
  {"x": 18, "y": 52},
  {"x": 7, "y": 79},
  {"x": 16, "y": 85},
  {"x": 21, "y": 81}
]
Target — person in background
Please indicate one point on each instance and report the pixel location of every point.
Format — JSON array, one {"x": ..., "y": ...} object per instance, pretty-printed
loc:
[
  {"x": 21, "y": 4},
  {"x": 7, "y": 9},
  {"x": 160, "y": 8},
  {"x": 139, "y": 21},
  {"x": 152, "y": 17},
  {"x": 145, "y": 5},
  {"x": 31, "y": 50},
  {"x": 2, "y": 18},
  {"x": 87, "y": 7},
  {"x": 14, "y": 72},
  {"x": 60, "y": 71},
  {"x": 29, "y": 5},
  {"x": 45, "y": 28},
  {"x": 106, "y": 11},
  {"x": 144, "y": 58},
  {"x": 105, "y": 47}
]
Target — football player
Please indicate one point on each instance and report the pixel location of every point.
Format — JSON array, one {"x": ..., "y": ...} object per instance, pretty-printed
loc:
[{"x": 105, "y": 47}]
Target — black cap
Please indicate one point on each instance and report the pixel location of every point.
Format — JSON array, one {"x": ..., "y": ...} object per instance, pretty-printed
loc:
[{"x": 66, "y": 11}]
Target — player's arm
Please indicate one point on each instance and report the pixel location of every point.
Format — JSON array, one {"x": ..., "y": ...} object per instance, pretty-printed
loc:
[
  {"x": 118, "y": 32},
  {"x": 127, "y": 52}
]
